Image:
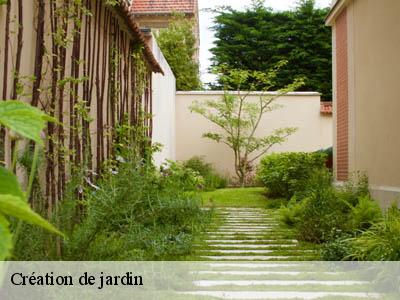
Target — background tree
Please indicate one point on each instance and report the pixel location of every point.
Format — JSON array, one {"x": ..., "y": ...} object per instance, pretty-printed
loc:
[
  {"x": 178, "y": 44},
  {"x": 258, "y": 38},
  {"x": 238, "y": 117}
]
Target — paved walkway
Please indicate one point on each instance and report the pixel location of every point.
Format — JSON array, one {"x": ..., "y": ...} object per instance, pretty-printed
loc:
[
  {"x": 248, "y": 255},
  {"x": 250, "y": 234}
]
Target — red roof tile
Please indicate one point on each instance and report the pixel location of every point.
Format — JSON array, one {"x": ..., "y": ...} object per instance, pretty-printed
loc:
[
  {"x": 163, "y": 6},
  {"x": 326, "y": 108}
]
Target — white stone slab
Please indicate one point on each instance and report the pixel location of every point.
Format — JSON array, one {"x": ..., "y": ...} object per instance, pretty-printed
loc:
[
  {"x": 212, "y": 283},
  {"x": 251, "y": 295},
  {"x": 244, "y": 258},
  {"x": 249, "y": 246}
]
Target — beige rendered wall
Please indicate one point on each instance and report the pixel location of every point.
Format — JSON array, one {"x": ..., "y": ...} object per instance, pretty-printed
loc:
[
  {"x": 301, "y": 110},
  {"x": 163, "y": 89},
  {"x": 374, "y": 71}
]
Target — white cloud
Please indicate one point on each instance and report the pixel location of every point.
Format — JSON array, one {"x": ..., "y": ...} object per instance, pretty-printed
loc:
[{"x": 207, "y": 36}]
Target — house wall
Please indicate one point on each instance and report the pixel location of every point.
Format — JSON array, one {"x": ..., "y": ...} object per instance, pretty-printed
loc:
[
  {"x": 377, "y": 103},
  {"x": 373, "y": 29},
  {"x": 301, "y": 110},
  {"x": 155, "y": 22},
  {"x": 163, "y": 89}
]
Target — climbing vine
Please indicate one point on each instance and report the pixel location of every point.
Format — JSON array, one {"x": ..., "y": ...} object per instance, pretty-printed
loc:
[{"x": 90, "y": 72}]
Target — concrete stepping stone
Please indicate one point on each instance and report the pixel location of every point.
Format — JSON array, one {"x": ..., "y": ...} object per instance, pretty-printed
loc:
[
  {"x": 269, "y": 242},
  {"x": 251, "y": 246},
  {"x": 244, "y": 257},
  {"x": 212, "y": 283},
  {"x": 252, "y": 295}
]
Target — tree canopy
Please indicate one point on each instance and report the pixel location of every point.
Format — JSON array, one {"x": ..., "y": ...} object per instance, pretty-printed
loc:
[
  {"x": 258, "y": 38},
  {"x": 178, "y": 44}
]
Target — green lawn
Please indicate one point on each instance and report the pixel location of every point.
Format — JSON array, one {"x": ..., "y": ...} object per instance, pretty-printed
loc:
[{"x": 239, "y": 197}]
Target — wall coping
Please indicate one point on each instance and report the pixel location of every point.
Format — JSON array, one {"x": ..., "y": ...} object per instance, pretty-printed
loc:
[{"x": 251, "y": 93}]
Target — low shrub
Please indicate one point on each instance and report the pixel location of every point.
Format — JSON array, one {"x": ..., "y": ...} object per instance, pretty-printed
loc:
[
  {"x": 364, "y": 214},
  {"x": 381, "y": 242},
  {"x": 321, "y": 212},
  {"x": 290, "y": 215},
  {"x": 137, "y": 214},
  {"x": 176, "y": 176},
  {"x": 284, "y": 174},
  {"x": 338, "y": 249},
  {"x": 212, "y": 180}
]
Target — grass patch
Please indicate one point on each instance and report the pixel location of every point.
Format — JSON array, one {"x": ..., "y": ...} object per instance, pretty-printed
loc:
[{"x": 236, "y": 197}]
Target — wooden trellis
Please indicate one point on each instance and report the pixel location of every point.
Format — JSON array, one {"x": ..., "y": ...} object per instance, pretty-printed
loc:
[{"x": 84, "y": 62}]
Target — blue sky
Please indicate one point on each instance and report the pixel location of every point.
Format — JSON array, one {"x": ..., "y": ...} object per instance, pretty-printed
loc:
[{"x": 207, "y": 36}]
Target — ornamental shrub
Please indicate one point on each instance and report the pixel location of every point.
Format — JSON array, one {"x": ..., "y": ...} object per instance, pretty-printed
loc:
[
  {"x": 285, "y": 174},
  {"x": 322, "y": 213},
  {"x": 381, "y": 242},
  {"x": 212, "y": 180},
  {"x": 175, "y": 176}
]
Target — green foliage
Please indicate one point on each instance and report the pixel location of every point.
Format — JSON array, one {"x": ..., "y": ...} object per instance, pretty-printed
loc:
[
  {"x": 258, "y": 38},
  {"x": 212, "y": 180},
  {"x": 366, "y": 213},
  {"x": 137, "y": 214},
  {"x": 338, "y": 249},
  {"x": 239, "y": 118},
  {"x": 176, "y": 176},
  {"x": 235, "y": 197},
  {"x": 284, "y": 174},
  {"x": 322, "y": 213},
  {"x": 9, "y": 184},
  {"x": 290, "y": 215},
  {"x": 381, "y": 241},
  {"x": 15, "y": 207},
  {"x": 178, "y": 44},
  {"x": 23, "y": 119},
  {"x": 28, "y": 122}
]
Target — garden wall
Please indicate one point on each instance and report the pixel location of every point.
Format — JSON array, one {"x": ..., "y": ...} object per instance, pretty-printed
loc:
[
  {"x": 163, "y": 87},
  {"x": 299, "y": 109}
]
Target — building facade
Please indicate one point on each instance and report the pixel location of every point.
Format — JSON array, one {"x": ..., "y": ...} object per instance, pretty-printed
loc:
[
  {"x": 157, "y": 14},
  {"x": 366, "y": 71}
]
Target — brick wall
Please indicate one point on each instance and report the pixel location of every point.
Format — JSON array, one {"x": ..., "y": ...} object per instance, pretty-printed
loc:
[{"x": 342, "y": 98}]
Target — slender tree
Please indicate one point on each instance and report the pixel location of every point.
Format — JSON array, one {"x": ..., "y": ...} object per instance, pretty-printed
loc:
[{"x": 238, "y": 117}]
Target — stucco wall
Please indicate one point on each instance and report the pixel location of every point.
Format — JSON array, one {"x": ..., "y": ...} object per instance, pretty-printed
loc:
[
  {"x": 377, "y": 103},
  {"x": 163, "y": 89},
  {"x": 301, "y": 110},
  {"x": 374, "y": 103}
]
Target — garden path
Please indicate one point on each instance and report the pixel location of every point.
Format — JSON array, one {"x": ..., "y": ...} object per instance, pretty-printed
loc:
[{"x": 249, "y": 255}]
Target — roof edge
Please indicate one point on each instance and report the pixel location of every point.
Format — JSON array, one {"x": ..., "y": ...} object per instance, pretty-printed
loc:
[
  {"x": 336, "y": 9},
  {"x": 123, "y": 7}
]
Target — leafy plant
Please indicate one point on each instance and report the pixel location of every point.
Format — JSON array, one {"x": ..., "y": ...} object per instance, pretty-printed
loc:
[
  {"x": 381, "y": 242},
  {"x": 174, "y": 175},
  {"x": 178, "y": 44},
  {"x": 338, "y": 249},
  {"x": 25, "y": 121},
  {"x": 136, "y": 215},
  {"x": 366, "y": 213},
  {"x": 238, "y": 118},
  {"x": 284, "y": 174},
  {"x": 212, "y": 180}
]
